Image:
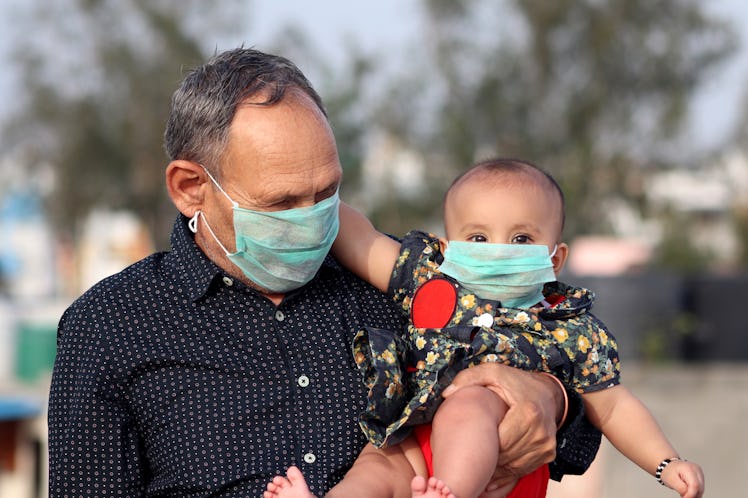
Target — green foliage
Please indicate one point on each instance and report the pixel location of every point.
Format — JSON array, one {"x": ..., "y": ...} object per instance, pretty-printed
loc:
[
  {"x": 99, "y": 87},
  {"x": 594, "y": 91},
  {"x": 677, "y": 251},
  {"x": 740, "y": 220}
]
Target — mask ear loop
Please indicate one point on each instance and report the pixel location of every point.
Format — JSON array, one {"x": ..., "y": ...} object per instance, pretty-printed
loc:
[
  {"x": 235, "y": 204},
  {"x": 192, "y": 224}
]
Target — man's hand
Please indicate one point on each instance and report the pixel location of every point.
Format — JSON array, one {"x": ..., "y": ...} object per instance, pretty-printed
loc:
[{"x": 527, "y": 435}]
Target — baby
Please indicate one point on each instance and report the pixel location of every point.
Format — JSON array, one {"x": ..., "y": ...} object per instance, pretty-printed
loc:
[{"x": 488, "y": 292}]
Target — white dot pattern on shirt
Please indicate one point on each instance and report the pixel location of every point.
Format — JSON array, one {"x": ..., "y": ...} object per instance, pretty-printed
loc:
[{"x": 172, "y": 382}]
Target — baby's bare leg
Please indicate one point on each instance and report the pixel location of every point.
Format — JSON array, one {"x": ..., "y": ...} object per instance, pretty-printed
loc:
[
  {"x": 382, "y": 473},
  {"x": 464, "y": 439}
]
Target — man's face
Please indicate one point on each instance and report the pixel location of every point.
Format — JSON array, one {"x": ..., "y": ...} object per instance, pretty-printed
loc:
[{"x": 278, "y": 157}]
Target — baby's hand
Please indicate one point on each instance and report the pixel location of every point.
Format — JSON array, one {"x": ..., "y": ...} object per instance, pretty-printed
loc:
[{"x": 686, "y": 478}]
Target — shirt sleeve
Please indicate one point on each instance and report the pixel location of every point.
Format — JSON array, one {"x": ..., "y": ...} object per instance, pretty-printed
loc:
[
  {"x": 592, "y": 351},
  {"x": 577, "y": 441},
  {"x": 418, "y": 261},
  {"x": 90, "y": 431}
]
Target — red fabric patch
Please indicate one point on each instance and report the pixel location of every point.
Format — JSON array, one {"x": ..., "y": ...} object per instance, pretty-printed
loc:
[
  {"x": 433, "y": 304},
  {"x": 555, "y": 299}
]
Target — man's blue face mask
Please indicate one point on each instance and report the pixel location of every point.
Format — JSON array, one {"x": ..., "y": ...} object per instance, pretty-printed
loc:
[
  {"x": 280, "y": 250},
  {"x": 511, "y": 273}
]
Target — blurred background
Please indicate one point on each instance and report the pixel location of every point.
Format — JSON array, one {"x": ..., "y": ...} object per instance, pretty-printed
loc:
[{"x": 637, "y": 107}]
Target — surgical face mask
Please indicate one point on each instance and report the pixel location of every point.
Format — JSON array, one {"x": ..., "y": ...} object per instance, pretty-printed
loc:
[
  {"x": 280, "y": 250},
  {"x": 511, "y": 273}
]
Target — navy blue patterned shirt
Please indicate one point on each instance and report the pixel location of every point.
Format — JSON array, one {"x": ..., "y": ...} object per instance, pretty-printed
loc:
[{"x": 174, "y": 379}]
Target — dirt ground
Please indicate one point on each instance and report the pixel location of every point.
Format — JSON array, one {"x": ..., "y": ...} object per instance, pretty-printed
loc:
[{"x": 703, "y": 409}]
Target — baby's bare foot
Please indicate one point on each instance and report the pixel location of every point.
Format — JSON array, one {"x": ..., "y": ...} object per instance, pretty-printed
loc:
[
  {"x": 433, "y": 488},
  {"x": 291, "y": 486}
]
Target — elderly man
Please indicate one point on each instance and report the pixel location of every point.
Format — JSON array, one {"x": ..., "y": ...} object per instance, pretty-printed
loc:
[{"x": 208, "y": 369}]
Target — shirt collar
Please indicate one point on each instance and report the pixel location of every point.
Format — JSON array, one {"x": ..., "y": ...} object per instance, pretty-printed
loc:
[
  {"x": 196, "y": 272},
  {"x": 188, "y": 263}
]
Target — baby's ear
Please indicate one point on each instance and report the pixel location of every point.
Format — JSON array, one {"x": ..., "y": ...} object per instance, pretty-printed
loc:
[
  {"x": 443, "y": 244},
  {"x": 559, "y": 258}
]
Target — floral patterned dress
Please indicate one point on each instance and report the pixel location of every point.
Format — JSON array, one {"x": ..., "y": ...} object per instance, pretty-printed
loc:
[{"x": 452, "y": 329}]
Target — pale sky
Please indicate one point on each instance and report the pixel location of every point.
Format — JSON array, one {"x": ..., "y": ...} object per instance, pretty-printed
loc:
[{"x": 388, "y": 26}]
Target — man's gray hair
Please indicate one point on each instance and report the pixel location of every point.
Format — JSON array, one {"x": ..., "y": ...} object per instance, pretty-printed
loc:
[{"x": 204, "y": 105}]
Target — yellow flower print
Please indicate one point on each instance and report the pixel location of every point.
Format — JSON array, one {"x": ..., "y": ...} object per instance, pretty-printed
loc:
[
  {"x": 467, "y": 301},
  {"x": 522, "y": 317},
  {"x": 388, "y": 357},
  {"x": 603, "y": 338},
  {"x": 538, "y": 327},
  {"x": 583, "y": 344},
  {"x": 431, "y": 358},
  {"x": 359, "y": 358},
  {"x": 560, "y": 335},
  {"x": 420, "y": 343},
  {"x": 529, "y": 337}
]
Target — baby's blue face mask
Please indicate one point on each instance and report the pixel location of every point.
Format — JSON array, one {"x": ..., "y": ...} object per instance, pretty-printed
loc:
[
  {"x": 511, "y": 273},
  {"x": 280, "y": 250}
]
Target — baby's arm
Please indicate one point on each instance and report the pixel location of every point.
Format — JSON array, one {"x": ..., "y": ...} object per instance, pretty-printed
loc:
[
  {"x": 365, "y": 251},
  {"x": 632, "y": 429}
]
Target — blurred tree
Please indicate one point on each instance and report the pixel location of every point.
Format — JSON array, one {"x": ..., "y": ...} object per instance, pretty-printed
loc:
[
  {"x": 98, "y": 88},
  {"x": 595, "y": 91},
  {"x": 740, "y": 220},
  {"x": 677, "y": 252}
]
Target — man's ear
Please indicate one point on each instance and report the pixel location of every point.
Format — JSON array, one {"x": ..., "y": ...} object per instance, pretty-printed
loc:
[
  {"x": 559, "y": 258},
  {"x": 184, "y": 180}
]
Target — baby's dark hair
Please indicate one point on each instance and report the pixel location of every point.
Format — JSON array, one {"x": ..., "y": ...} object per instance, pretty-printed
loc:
[{"x": 511, "y": 166}]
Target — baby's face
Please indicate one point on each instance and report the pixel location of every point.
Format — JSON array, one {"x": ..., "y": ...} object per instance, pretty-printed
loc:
[{"x": 484, "y": 209}]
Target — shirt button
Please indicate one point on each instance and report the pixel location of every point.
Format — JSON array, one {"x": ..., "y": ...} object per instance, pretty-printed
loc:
[
  {"x": 303, "y": 381},
  {"x": 228, "y": 281},
  {"x": 485, "y": 320},
  {"x": 310, "y": 458},
  {"x": 280, "y": 316}
]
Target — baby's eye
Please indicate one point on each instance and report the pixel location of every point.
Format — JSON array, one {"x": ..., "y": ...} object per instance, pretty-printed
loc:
[
  {"x": 521, "y": 239},
  {"x": 477, "y": 238}
]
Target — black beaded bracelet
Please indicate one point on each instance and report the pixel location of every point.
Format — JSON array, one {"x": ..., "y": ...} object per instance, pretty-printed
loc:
[{"x": 663, "y": 464}]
